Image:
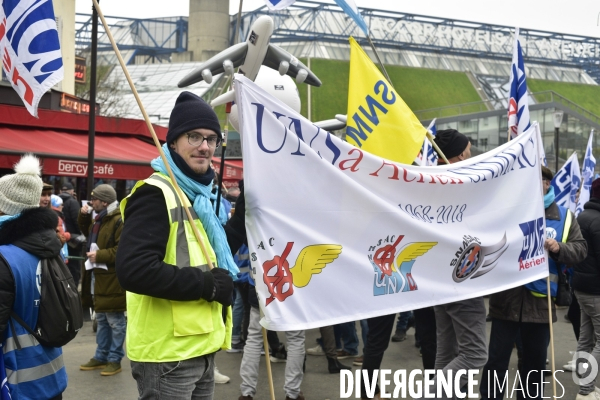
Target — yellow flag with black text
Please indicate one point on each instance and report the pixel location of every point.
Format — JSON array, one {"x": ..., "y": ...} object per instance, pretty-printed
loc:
[{"x": 379, "y": 121}]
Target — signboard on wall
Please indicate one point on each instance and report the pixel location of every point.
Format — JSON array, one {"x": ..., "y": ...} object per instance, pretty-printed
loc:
[
  {"x": 106, "y": 170},
  {"x": 74, "y": 104},
  {"x": 80, "y": 70}
]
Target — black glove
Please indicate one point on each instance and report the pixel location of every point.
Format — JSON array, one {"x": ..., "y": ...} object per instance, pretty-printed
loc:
[{"x": 218, "y": 286}]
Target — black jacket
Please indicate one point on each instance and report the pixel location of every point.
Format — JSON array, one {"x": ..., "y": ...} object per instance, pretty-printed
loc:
[
  {"x": 143, "y": 245},
  {"x": 35, "y": 232},
  {"x": 70, "y": 209},
  {"x": 518, "y": 304},
  {"x": 586, "y": 276}
]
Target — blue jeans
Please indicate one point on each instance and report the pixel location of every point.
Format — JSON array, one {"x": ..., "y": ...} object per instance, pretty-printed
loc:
[
  {"x": 346, "y": 338},
  {"x": 110, "y": 336},
  {"x": 403, "y": 320},
  {"x": 177, "y": 380},
  {"x": 364, "y": 331}
]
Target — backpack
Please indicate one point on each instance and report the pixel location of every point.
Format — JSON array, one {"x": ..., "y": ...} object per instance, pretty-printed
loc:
[{"x": 60, "y": 315}]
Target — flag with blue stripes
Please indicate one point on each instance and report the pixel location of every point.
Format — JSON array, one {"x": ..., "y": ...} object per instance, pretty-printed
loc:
[
  {"x": 518, "y": 104},
  {"x": 589, "y": 163},
  {"x": 428, "y": 156},
  {"x": 348, "y": 6},
  {"x": 30, "y": 48},
  {"x": 566, "y": 183},
  {"x": 279, "y": 4}
]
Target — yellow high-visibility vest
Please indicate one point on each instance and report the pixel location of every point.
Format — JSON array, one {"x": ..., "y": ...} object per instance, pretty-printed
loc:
[{"x": 160, "y": 330}]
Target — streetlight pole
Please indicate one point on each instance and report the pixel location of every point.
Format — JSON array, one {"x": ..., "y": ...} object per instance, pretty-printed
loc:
[{"x": 558, "y": 117}]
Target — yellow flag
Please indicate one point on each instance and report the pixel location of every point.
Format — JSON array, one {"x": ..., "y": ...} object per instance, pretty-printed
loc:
[{"x": 379, "y": 121}]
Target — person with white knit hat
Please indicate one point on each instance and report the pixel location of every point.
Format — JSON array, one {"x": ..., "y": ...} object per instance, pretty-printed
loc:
[
  {"x": 27, "y": 238},
  {"x": 21, "y": 191}
]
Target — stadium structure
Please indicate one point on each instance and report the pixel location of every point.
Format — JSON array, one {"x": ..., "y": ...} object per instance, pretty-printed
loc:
[{"x": 455, "y": 71}]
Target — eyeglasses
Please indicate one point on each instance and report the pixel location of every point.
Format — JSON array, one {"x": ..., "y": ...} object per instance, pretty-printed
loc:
[{"x": 196, "y": 140}]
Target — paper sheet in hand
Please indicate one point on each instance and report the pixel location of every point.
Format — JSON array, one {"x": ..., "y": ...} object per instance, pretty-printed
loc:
[{"x": 90, "y": 265}]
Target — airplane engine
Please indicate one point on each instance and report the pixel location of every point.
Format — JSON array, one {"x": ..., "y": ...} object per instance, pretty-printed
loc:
[
  {"x": 284, "y": 66},
  {"x": 207, "y": 75},
  {"x": 228, "y": 67},
  {"x": 301, "y": 77}
]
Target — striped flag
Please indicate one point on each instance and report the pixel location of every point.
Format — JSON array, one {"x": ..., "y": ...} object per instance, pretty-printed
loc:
[
  {"x": 279, "y": 4},
  {"x": 566, "y": 183},
  {"x": 348, "y": 6},
  {"x": 431, "y": 157},
  {"x": 518, "y": 106},
  {"x": 30, "y": 49},
  {"x": 589, "y": 163}
]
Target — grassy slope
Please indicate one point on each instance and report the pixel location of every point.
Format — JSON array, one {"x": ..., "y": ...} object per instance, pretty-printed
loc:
[
  {"x": 586, "y": 96},
  {"x": 420, "y": 88}
]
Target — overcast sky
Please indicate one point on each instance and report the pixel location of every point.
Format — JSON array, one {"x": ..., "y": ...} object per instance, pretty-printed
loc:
[{"x": 579, "y": 17}]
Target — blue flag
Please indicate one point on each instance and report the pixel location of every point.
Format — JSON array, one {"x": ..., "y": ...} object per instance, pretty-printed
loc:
[
  {"x": 30, "y": 48},
  {"x": 589, "y": 163},
  {"x": 518, "y": 104},
  {"x": 428, "y": 156},
  {"x": 566, "y": 183},
  {"x": 348, "y": 6}
]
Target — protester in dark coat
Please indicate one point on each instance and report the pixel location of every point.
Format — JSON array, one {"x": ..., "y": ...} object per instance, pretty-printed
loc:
[
  {"x": 586, "y": 284},
  {"x": 109, "y": 297},
  {"x": 71, "y": 212},
  {"x": 524, "y": 310}
]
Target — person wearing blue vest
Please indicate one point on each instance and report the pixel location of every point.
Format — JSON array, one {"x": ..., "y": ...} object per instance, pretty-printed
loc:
[
  {"x": 27, "y": 238},
  {"x": 586, "y": 284},
  {"x": 178, "y": 309},
  {"x": 524, "y": 310}
]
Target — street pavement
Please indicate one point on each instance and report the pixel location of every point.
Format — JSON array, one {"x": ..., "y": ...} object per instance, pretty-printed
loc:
[{"x": 318, "y": 384}]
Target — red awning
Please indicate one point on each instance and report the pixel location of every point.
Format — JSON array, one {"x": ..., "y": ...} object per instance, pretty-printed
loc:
[
  {"x": 116, "y": 157},
  {"x": 19, "y": 117},
  {"x": 233, "y": 171}
]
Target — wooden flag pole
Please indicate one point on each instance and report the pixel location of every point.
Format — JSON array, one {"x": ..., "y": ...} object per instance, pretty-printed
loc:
[
  {"x": 435, "y": 146},
  {"x": 551, "y": 334},
  {"x": 266, "y": 346},
  {"x": 154, "y": 137}
]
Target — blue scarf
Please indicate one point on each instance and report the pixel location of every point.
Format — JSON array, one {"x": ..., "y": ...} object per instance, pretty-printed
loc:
[
  {"x": 549, "y": 197},
  {"x": 4, "y": 218},
  {"x": 202, "y": 196}
]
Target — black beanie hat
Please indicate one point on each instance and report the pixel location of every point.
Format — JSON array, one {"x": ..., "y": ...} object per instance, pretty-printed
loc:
[
  {"x": 451, "y": 142},
  {"x": 191, "y": 112},
  {"x": 596, "y": 189}
]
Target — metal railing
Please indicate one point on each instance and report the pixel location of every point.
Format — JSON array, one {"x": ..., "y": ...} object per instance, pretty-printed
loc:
[
  {"x": 553, "y": 97},
  {"x": 481, "y": 106}
]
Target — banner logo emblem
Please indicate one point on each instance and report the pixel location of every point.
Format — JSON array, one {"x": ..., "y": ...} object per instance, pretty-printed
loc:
[
  {"x": 281, "y": 279},
  {"x": 394, "y": 274},
  {"x": 474, "y": 260}
]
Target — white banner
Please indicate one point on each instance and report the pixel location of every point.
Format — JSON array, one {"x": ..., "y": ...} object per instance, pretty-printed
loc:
[{"x": 336, "y": 234}]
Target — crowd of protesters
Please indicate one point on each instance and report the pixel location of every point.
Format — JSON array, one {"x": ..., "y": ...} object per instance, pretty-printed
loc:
[{"x": 175, "y": 305}]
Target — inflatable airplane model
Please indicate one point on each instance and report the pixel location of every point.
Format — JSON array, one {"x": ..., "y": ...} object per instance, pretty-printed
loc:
[{"x": 249, "y": 56}]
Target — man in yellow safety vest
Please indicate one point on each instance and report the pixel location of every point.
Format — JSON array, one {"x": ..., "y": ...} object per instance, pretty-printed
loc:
[{"x": 177, "y": 308}]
